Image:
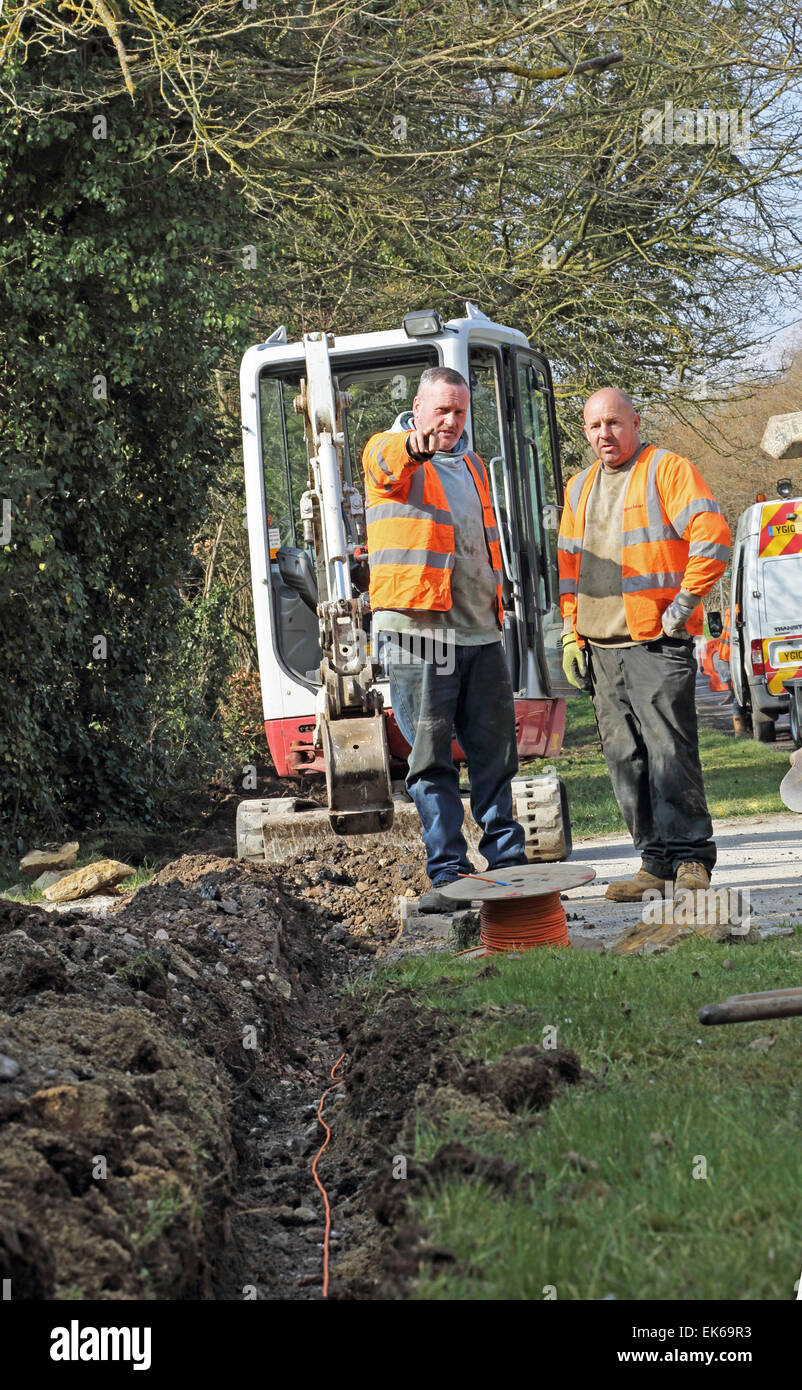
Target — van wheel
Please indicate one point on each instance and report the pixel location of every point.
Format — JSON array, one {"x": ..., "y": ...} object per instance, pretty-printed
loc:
[
  {"x": 794, "y": 720},
  {"x": 763, "y": 727}
]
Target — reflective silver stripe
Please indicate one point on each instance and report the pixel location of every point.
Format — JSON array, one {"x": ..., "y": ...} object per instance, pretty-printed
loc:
[
  {"x": 658, "y": 529},
  {"x": 567, "y": 586},
  {"x": 578, "y": 482},
  {"x": 710, "y": 550},
  {"x": 434, "y": 559},
  {"x": 491, "y": 532},
  {"x": 641, "y": 534},
  {"x": 377, "y": 482},
  {"x": 386, "y": 511},
  {"x": 570, "y": 545},
  {"x": 654, "y": 507},
  {"x": 378, "y": 457},
  {"x": 662, "y": 579},
  {"x": 694, "y": 508}
]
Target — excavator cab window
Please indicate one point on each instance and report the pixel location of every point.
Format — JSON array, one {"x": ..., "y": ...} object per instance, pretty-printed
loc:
[
  {"x": 284, "y": 455},
  {"x": 286, "y": 475},
  {"x": 379, "y": 394},
  {"x": 540, "y": 497},
  {"x": 380, "y": 389},
  {"x": 487, "y": 415}
]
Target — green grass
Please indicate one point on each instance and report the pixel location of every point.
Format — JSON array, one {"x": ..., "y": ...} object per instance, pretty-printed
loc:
[
  {"x": 28, "y": 895},
  {"x": 160, "y": 1211},
  {"x": 742, "y": 777},
  {"x": 665, "y": 1094},
  {"x": 136, "y": 880}
]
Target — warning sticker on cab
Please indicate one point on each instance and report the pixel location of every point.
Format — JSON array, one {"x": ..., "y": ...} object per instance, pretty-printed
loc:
[{"x": 781, "y": 528}]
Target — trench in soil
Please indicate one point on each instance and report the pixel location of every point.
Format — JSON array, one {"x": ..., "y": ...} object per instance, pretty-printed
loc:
[{"x": 163, "y": 1071}]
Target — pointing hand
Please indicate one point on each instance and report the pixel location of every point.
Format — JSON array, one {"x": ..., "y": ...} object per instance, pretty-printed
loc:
[{"x": 421, "y": 444}]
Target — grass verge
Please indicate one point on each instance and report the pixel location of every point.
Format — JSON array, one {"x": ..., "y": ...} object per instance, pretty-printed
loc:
[
  {"x": 742, "y": 778},
  {"x": 690, "y": 1179}
]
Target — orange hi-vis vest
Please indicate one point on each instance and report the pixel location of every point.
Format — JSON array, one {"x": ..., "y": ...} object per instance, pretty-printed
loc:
[
  {"x": 674, "y": 537},
  {"x": 410, "y": 528}
]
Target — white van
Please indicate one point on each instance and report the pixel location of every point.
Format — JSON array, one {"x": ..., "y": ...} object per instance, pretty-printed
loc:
[{"x": 766, "y": 614}]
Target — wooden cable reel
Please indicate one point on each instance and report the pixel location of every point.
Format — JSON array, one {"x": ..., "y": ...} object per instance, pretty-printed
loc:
[{"x": 520, "y": 907}]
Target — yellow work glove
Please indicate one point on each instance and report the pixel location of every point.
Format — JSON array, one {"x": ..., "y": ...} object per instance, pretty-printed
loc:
[{"x": 575, "y": 663}]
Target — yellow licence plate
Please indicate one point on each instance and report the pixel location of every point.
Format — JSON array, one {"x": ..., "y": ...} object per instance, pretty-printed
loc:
[{"x": 795, "y": 655}]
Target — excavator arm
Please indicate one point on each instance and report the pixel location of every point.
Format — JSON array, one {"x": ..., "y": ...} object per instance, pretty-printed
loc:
[{"x": 349, "y": 726}]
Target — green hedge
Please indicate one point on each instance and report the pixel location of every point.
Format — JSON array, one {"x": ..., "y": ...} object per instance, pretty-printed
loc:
[{"x": 117, "y": 266}]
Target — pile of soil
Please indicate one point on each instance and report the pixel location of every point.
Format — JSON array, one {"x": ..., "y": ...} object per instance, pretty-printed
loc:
[
  {"x": 359, "y": 888},
  {"x": 135, "y": 1052}
]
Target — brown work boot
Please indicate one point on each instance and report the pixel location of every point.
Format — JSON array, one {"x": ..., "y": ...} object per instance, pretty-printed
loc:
[
  {"x": 691, "y": 877},
  {"x": 740, "y": 726},
  {"x": 633, "y": 890}
]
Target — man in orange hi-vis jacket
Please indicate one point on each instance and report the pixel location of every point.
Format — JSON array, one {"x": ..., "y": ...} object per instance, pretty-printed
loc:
[
  {"x": 435, "y": 588},
  {"x": 642, "y": 540}
]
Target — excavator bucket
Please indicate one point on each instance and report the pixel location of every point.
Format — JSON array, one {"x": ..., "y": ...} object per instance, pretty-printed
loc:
[
  {"x": 275, "y": 828},
  {"x": 357, "y": 774}
]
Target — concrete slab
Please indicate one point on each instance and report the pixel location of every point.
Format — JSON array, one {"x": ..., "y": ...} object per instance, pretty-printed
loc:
[
  {"x": 420, "y": 933},
  {"x": 98, "y": 905}
]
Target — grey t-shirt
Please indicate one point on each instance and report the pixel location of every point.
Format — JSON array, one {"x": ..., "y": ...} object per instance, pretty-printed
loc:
[{"x": 472, "y": 615}]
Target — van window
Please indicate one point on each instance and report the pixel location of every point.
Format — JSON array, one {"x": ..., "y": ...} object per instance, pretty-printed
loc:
[{"x": 781, "y": 590}]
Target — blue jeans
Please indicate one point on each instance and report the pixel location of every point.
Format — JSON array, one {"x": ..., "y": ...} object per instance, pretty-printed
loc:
[{"x": 430, "y": 702}]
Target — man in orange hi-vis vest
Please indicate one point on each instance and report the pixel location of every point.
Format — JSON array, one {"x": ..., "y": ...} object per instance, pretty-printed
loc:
[
  {"x": 435, "y": 588},
  {"x": 642, "y": 540}
]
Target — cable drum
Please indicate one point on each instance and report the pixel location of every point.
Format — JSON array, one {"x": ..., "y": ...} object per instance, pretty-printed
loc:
[
  {"x": 523, "y": 925},
  {"x": 520, "y": 907}
]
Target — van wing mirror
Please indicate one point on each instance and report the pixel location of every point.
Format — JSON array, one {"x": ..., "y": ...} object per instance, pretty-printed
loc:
[
  {"x": 298, "y": 572},
  {"x": 714, "y": 623}
]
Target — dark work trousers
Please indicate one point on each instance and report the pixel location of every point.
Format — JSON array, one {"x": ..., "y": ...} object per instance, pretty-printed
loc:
[
  {"x": 470, "y": 693},
  {"x": 644, "y": 698}
]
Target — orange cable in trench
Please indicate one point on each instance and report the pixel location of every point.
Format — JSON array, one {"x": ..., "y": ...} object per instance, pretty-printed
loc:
[{"x": 317, "y": 1179}]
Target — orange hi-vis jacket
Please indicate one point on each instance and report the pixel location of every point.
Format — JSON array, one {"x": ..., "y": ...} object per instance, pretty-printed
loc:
[
  {"x": 674, "y": 537},
  {"x": 410, "y": 528}
]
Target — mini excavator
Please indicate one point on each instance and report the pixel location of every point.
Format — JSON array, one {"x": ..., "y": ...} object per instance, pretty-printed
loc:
[{"x": 308, "y": 409}]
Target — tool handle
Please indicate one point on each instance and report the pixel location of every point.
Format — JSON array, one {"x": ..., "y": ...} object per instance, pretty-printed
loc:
[{"x": 746, "y": 1010}]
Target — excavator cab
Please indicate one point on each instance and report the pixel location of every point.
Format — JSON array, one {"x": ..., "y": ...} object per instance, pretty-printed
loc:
[{"x": 299, "y": 569}]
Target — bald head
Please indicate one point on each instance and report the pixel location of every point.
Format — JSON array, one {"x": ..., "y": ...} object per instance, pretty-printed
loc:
[{"x": 612, "y": 426}]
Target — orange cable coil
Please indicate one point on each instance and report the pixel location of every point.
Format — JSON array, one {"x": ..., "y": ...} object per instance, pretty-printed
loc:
[{"x": 523, "y": 925}]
